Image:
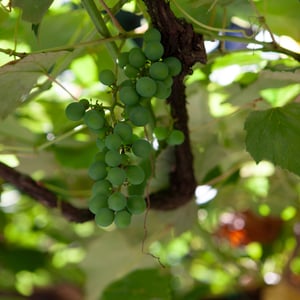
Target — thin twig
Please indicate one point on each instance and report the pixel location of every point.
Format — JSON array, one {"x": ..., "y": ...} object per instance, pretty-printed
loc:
[{"x": 112, "y": 17}]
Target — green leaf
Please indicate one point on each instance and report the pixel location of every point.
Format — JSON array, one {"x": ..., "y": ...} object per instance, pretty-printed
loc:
[
  {"x": 273, "y": 135},
  {"x": 17, "y": 78},
  {"x": 144, "y": 284},
  {"x": 33, "y": 10},
  {"x": 287, "y": 11}
]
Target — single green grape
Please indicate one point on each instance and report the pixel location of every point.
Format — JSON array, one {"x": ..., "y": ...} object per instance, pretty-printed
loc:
[
  {"x": 176, "y": 137},
  {"x": 101, "y": 187},
  {"x": 100, "y": 143},
  {"x": 161, "y": 133},
  {"x": 142, "y": 148},
  {"x": 153, "y": 50},
  {"x": 137, "y": 57},
  {"x": 135, "y": 174},
  {"x": 152, "y": 34},
  {"x": 128, "y": 95},
  {"x": 136, "y": 204},
  {"x": 97, "y": 170},
  {"x": 122, "y": 219},
  {"x": 174, "y": 65},
  {"x": 104, "y": 217},
  {"x": 85, "y": 102},
  {"x": 113, "y": 142},
  {"x": 94, "y": 119},
  {"x": 163, "y": 91},
  {"x": 113, "y": 158},
  {"x": 137, "y": 190},
  {"x": 123, "y": 59},
  {"x": 146, "y": 87},
  {"x": 75, "y": 111},
  {"x": 116, "y": 201},
  {"x": 168, "y": 81},
  {"x": 124, "y": 130},
  {"x": 107, "y": 77},
  {"x": 130, "y": 71},
  {"x": 139, "y": 115},
  {"x": 97, "y": 201},
  {"x": 116, "y": 176},
  {"x": 159, "y": 70}
]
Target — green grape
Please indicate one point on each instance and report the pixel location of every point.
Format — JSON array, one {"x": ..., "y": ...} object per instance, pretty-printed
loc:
[
  {"x": 116, "y": 201},
  {"x": 153, "y": 50},
  {"x": 137, "y": 190},
  {"x": 100, "y": 143},
  {"x": 163, "y": 91},
  {"x": 104, "y": 217},
  {"x": 102, "y": 132},
  {"x": 107, "y": 77},
  {"x": 124, "y": 130},
  {"x": 123, "y": 59},
  {"x": 139, "y": 115},
  {"x": 130, "y": 71},
  {"x": 113, "y": 142},
  {"x": 101, "y": 187},
  {"x": 116, "y": 176},
  {"x": 113, "y": 158},
  {"x": 174, "y": 65},
  {"x": 176, "y": 137},
  {"x": 135, "y": 174},
  {"x": 136, "y": 57},
  {"x": 85, "y": 102},
  {"x": 168, "y": 81},
  {"x": 142, "y": 148},
  {"x": 161, "y": 133},
  {"x": 136, "y": 204},
  {"x": 146, "y": 87},
  {"x": 94, "y": 119},
  {"x": 75, "y": 111},
  {"x": 126, "y": 82},
  {"x": 122, "y": 219},
  {"x": 96, "y": 202},
  {"x": 152, "y": 34},
  {"x": 97, "y": 170},
  {"x": 125, "y": 159},
  {"x": 159, "y": 70},
  {"x": 128, "y": 95}
]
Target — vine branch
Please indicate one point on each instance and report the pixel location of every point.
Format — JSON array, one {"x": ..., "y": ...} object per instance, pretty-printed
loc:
[
  {"x": 27, "y": 185},
  {"x": 179, "y": 40}
]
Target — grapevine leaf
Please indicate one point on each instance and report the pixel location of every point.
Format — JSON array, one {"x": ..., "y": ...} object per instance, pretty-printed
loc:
[
  {"x": 17, "y": 78},
  {"x": 33, "y": 10},
  {"x": 273, "y": 135},
  {"x": 140, "y": 284}
]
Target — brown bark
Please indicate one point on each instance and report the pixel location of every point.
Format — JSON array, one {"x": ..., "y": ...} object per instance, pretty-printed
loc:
[{"x": 181, "y": 41}]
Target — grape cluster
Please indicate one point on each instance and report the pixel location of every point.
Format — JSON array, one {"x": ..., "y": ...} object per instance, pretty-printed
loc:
[{"x": 120, "y": 168}]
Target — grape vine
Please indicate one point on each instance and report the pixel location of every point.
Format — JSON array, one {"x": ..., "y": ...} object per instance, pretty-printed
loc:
[{"x": 123, "y": 166}]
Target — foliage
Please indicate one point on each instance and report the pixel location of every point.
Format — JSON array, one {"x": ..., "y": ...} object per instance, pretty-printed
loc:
[{"x": 237, "y": 232}]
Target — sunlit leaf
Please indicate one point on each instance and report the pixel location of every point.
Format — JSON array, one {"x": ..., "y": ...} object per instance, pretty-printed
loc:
[
  {"x": 273, "y": 135},
  {"x": 19, "y": 77}
]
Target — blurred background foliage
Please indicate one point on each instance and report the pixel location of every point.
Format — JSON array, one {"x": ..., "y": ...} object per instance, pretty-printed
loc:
[{"x": 237, "y": 239}]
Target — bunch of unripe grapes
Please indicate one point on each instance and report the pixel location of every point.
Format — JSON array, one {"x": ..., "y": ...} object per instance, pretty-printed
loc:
[{"x": 121, "y": 166}]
